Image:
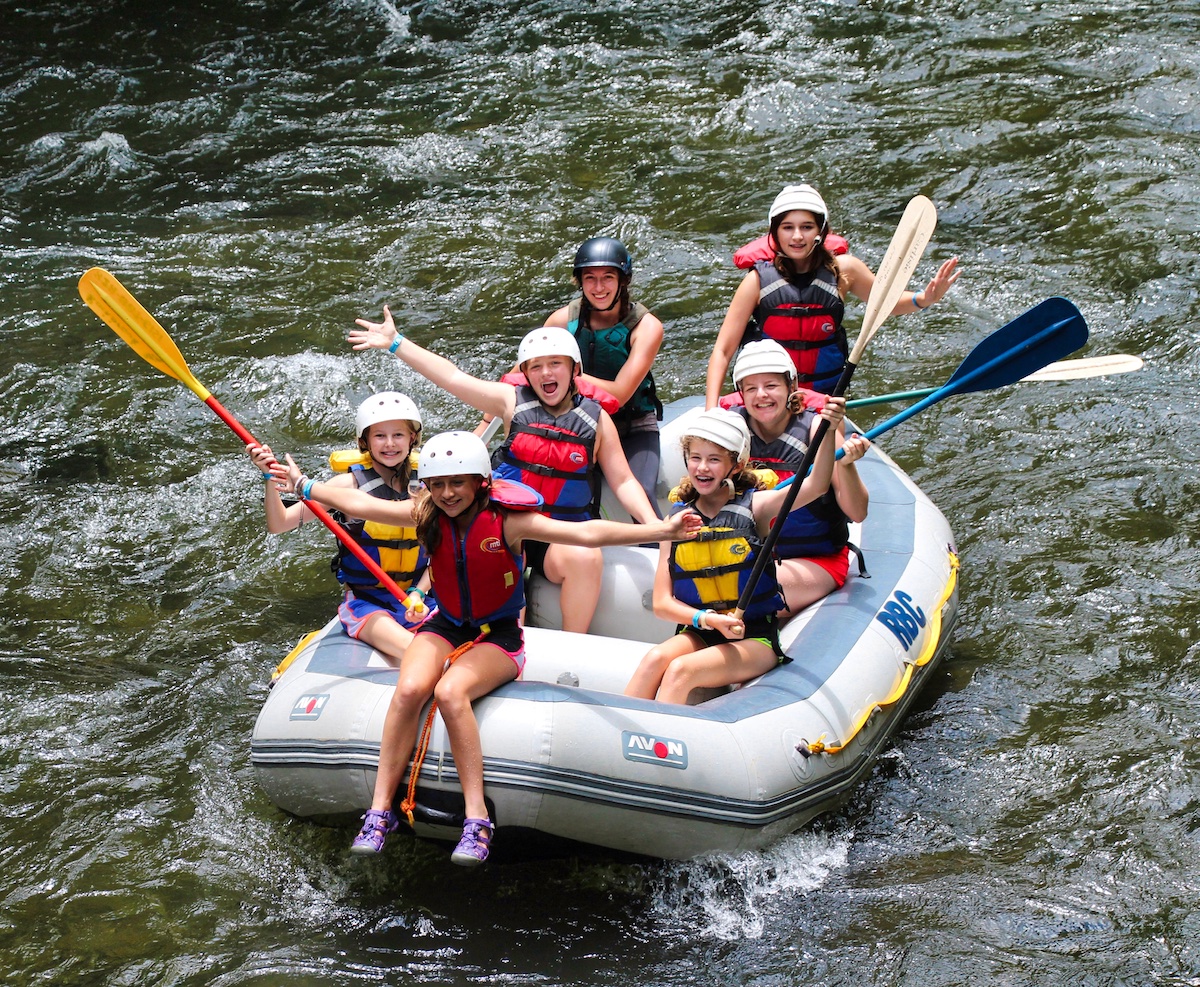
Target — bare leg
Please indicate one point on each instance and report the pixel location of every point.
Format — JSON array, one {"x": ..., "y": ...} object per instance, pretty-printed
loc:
[
  {"x": 649, "y": 674},
  {"x": 475, "y": 674},
  {"x": 386, "y": 636},
  {"x": 721, "y": 664},
  {"x": 419, "y": 673},
  {"x": 803, "y": 583},
  {"x": 578, "y": 571}
]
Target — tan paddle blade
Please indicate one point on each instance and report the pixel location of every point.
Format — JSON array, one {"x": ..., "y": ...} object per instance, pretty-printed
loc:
[
  {"x": 1088, "y": 366},
  {"x": 903, "y": 254},
  {"x": 122, "y": 313}
]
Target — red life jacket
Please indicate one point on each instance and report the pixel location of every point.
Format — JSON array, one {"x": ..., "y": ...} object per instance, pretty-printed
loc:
[
  {"x": 554, "y": 455},
  {"x": 476, "y": 576},
  {"x": 813, "y": 400},
  {"x": 584, "y": 387},
  {"x": 805, "y": 318},
  {"x": 761, "y": 249}
]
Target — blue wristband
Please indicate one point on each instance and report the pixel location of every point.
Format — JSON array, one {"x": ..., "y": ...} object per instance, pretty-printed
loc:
[
  {"x": 396, "y": 343},
  {"x": 306, "y": 489},
  {"x": 268, "y": 476},
  {"x": 917, "y": 304},
  {"x": 696, "y": 619}
]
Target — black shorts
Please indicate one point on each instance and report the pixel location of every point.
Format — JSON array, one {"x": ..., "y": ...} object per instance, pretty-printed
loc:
[
  {"x": 765, "y": 629},
  {"x": 535, "y": 556},
  {"x": 505, "y": 634}
]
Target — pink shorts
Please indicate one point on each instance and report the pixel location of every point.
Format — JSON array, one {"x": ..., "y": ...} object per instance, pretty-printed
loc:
[{"x": 354, "y": 613}]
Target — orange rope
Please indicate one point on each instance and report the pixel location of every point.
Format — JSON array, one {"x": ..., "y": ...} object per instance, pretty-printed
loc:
[{"x": 410, "y": 798}]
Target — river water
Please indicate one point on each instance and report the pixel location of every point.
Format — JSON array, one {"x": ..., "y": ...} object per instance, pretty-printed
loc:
[{"x": 261, "y": 173}]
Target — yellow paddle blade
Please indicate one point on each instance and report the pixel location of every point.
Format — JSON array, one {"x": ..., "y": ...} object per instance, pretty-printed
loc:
[
  {"x": 122, "y": 313},
  {"x": 903, "y": 254}
]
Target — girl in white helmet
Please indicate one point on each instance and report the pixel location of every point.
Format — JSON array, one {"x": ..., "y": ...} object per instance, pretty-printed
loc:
[
  {"x": 814, "y": 543},
  {"x": 475, "y": 545},
  {"x": 698, "y": 584},
  {"x": 798, "y": 297},
  {"x": 557, "y": 441},
  {"x": 388, "y": 428}
]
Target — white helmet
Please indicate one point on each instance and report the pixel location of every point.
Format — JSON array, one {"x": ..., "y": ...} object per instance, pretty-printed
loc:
[
  {"x": 800, "y": 197},
  {"x": 386, "y": 406},
  {"x": 724, "y": 428},
  {"x": 762, "y": 356},
  {"x": 548, "y": 341},
  {"x": 454, "y": 454}
]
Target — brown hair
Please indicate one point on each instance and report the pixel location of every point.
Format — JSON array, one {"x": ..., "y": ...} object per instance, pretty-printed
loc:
[
  {"x": 426, "y": 515},
  {"x": 741, "y": 479}
]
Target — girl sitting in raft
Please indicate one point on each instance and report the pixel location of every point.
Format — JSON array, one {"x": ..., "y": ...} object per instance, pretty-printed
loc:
[
  {"x": 474, "y": 543},
  {"x": 697, "y": 585},
  {"x": 814, "y": 546},
  {"x": 388, "y": 426},
  {"x": 558, "y": 442},
  {"x": 798, "y": 298}
]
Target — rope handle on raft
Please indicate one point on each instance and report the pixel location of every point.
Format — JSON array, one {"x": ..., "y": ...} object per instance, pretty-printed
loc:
[{"x": 410, "y": 797}]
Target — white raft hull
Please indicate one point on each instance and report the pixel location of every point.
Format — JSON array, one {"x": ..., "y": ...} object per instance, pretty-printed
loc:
[{"x": 567, "y": 756}]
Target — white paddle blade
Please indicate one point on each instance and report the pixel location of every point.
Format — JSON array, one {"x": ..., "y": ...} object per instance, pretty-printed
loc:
[
  {"x": 903, "y": 254},
  {"x": 1092, "y": 366}
]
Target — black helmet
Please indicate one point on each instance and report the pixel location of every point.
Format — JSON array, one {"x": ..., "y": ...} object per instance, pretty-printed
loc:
[{"x": 603, "y": 251}]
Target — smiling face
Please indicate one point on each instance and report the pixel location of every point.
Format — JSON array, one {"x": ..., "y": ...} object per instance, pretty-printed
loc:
[
  {"x": 550, "y": 377},
  {"x": 454, "y": 495},
  {"x": 389, "y": 443},
  {"x": 601, "y": 286},
  {"x": 765, "y": 396},
  {"x": 707, "y": 464},
  {"x": 796, "y": 235}
]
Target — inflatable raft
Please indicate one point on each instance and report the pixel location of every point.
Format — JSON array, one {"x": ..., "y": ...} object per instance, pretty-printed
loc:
[{"x": 567, "y": 756}]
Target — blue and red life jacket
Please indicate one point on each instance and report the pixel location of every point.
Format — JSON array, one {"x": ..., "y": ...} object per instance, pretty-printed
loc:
[
  {"x": 554, "y": 455},
  {"x": 476, "y": 576},
  {"x": 805, "y": 317},
  {"x": 817, "y": 528}
]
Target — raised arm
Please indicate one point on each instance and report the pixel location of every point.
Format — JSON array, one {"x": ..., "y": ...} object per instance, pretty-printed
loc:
[
  {"x": 859, "y": 278},
  {"x": 729, "y": 337},
  {"x": 490, "y": 397}
]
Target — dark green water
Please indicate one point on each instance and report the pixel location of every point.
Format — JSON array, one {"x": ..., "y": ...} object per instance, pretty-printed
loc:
[{"x": 260, "y": 174}]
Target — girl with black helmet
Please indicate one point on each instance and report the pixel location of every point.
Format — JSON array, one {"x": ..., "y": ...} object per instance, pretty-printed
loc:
[
  {"x": 618, "y": 341},
  {"x": 798, "y": 297}
]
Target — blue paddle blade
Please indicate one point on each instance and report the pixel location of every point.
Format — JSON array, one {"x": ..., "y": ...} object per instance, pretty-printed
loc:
[
  {"x": 1068, "y": 333},
  {"x": 1044, "y": 334}
]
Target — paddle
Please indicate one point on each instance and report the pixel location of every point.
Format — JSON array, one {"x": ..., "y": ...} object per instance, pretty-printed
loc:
[
  {"x": 1091, "y": 366},
  {"x": 1031, "y": 341},
  {"x": 903, "y": 254},
  {"x": 107, "y": 297}
]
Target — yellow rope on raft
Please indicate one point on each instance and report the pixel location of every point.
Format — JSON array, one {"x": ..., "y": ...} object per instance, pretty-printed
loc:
[
  {"x": 820, "y": 747},
  {"x": 410, "y": 797}
]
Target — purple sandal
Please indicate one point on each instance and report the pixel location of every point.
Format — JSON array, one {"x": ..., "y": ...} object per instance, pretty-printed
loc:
[
  {"x": 472, "y": 849},
  {"x": 377, "y": 823}
]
